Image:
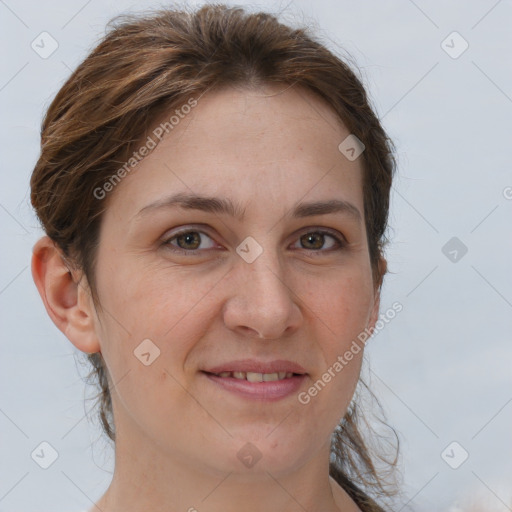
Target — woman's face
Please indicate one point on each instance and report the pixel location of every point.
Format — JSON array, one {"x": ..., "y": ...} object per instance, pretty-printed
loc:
[{"x": 256, "y": 281}]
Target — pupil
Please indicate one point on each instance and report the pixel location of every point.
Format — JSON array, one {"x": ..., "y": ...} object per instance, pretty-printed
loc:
[
  {"x": 311, "y": 239},
  {"x": 189, "y": 238}
]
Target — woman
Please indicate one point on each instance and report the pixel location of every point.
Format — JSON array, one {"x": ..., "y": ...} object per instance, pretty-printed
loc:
[{"x": 214, "y": 188}]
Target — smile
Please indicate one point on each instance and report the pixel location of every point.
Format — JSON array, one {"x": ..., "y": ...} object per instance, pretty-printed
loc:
[
  {"x": 267, "y": 387},
  {"x": 256, "y": 377}
]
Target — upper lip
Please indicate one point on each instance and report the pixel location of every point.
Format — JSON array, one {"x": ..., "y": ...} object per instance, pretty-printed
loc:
[{"x": 252, "y": 365}]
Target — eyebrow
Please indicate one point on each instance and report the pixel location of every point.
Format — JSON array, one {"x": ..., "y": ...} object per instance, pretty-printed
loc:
[{"x": 226, "y": 206}]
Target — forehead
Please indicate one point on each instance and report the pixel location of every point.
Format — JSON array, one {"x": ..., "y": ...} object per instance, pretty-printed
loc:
[
  {"x": 274, "y": 143},
  {"x": 283, "y": 118}
]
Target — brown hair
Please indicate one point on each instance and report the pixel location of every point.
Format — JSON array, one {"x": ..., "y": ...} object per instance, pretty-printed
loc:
[{"x": 147, "y": 65}]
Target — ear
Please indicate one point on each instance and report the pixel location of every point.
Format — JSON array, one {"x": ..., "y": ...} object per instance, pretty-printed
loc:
[
  {"x": 67, "y": 301},
  {"x": 374, "y": 315}
]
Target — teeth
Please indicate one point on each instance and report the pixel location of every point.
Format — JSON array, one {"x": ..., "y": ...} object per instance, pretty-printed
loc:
[
  {"x": 254, "y": 377},
  {"x": 257, "y": 377}
]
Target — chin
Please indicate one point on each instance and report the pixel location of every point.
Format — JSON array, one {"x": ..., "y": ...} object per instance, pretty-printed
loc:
[{"x": 258, "y": 454}]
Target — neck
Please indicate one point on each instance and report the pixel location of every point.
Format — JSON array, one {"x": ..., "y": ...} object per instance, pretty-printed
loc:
[{"x": 149, "y": 478}]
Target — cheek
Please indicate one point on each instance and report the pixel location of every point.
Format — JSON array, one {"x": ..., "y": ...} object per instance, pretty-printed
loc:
[
  {"x": 340, "y": 305},
  {"x": 351, "y": 312},
  {"x": 169, "y": 307},
  {"x": 340, "y": 310},
  {"x": 149, "y": 298},
  {"x": 149, "y": 326}
]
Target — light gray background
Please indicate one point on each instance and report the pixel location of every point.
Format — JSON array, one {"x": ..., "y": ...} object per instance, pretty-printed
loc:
[{"x": 442, "y": 367}]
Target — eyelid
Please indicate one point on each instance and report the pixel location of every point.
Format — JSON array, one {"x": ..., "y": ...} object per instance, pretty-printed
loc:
[
  {"x": 338, "y": 237},
  {"x": 202, "y": 229},
  {"x": 194, "y": 228},
  {"x": 321, "y": 229}
]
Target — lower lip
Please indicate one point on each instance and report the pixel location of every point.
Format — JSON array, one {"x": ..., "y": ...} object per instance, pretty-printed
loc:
[{"x": 267, "y": 391}]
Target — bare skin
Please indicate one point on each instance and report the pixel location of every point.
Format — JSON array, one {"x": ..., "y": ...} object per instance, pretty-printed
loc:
[{"x": 303, "y": 299}]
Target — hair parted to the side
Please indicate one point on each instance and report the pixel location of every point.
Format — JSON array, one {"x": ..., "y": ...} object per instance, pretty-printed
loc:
[{"x": 150, "y": 64}]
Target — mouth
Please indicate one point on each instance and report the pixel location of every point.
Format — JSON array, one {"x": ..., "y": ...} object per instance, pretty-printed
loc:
[
  {"x": 262, "y": 387},
  {"x": 255, "y": 376}
]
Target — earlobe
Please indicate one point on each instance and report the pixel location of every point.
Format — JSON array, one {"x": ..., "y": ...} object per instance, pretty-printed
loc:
[{"x": 67, "y": 301}]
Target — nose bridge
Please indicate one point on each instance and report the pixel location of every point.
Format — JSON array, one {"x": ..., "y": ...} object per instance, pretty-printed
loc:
[
  {"x": 264, "y": 278},
  {"x": 262, "y": 301}
]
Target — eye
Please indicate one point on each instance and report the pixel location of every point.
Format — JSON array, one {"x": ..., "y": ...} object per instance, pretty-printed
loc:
[
  {"x": 315, "y": 241},
  {"x": 189, "y": 241}
]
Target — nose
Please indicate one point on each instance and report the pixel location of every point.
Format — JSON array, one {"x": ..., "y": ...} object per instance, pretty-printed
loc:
[{"x": 262, "y": 303}]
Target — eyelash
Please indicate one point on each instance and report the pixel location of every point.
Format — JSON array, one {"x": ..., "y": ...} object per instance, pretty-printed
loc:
[{"x": 197, "y": 252}]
